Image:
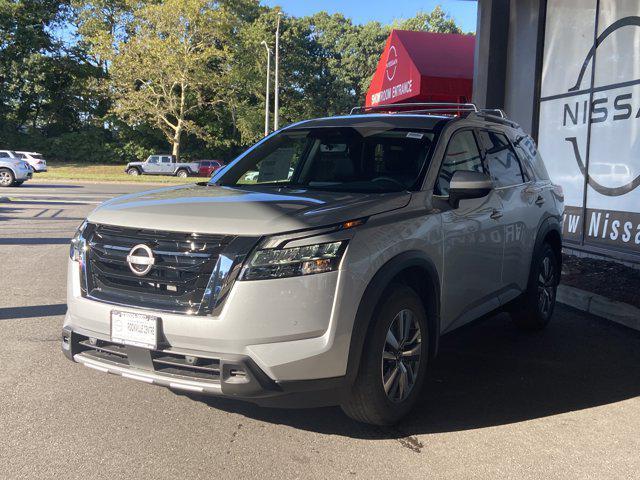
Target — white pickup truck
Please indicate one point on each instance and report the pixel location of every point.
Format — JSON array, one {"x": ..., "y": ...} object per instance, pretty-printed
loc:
[{"x": 162, "y": 165}]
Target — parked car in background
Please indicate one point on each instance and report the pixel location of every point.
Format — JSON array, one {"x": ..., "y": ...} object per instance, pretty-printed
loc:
[
  {"x": 13, "y": 171},
  {"x": 35, "y": 159},
  {"x": 162, "y": 165},
  {"x": 209, "y": 167}
]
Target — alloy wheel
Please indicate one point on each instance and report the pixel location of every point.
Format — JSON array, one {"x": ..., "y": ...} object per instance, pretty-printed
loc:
[
  {"x": 401, "y": 356},
  {"x": 546, "y": 286},
  {"x": 5, "y": 178}
]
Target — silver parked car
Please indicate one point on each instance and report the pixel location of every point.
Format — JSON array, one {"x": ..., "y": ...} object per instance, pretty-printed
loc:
[
  {"x": 35, "y": 159},
  {"x": 330, "y": 276},
  {"x": 13, "y": 170},
  {"x": 162, "y": 165}
]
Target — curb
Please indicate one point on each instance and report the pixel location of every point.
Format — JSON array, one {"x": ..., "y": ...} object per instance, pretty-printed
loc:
[{"x": 601, "y": 306}]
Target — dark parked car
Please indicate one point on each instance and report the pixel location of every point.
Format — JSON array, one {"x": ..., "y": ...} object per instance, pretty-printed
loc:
[{"x": 209, "y": 167}]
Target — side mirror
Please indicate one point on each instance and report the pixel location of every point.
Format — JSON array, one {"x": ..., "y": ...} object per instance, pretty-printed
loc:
[{"x": 466, "y": 184}]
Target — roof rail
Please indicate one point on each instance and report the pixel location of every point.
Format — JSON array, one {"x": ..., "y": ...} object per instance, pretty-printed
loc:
[
  {"x": 497, "y": 116},
  {"x": 450, "y": 108},
  {"x": 493, "y": 111}
]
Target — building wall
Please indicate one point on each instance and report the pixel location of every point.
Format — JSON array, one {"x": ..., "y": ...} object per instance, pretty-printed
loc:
[{"x": 508, "y": 53}]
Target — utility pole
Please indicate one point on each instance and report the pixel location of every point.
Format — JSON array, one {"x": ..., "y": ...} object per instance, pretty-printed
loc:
[
  {"x": 266, "y": 102},
  {"x": 276, "y": 107}
]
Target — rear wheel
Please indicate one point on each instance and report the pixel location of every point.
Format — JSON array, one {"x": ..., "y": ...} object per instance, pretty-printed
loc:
[
  {"x": 6, "y": 177},
  {"x": 182, "y": 174},
  {"x": 133, "y": 172},
  {"x": 394, "y": 361},
  {"x": 534, "y": 309}
]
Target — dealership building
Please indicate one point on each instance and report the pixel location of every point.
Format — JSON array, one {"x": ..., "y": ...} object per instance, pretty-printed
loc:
[{"x": 569, "y": 72}]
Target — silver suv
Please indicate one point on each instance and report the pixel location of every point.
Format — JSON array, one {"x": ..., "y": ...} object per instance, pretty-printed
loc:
[{"x": 322, "y": 266}]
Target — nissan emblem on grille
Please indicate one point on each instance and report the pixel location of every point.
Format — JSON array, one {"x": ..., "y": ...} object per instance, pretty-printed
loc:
[{"x": 140, "y": 259}]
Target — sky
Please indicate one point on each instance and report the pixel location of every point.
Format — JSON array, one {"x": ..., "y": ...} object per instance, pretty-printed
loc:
[{"x": 384, "y": 11}]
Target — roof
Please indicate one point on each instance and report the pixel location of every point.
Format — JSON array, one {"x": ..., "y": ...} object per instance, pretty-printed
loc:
[{"x": 446, "y": 55}]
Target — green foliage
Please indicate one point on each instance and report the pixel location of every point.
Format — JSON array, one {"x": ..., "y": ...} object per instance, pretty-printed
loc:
[
  {"x": 115, "y": 80},
  {"x": 437, "y": 21}
]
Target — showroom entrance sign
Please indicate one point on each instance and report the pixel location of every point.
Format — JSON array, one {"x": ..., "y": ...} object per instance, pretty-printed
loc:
[{"x": 423, "y": 67}]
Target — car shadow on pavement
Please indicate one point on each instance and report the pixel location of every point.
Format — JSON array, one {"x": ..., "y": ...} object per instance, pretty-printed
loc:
[
  {"x": 32, "y": 311},
  {"x": 489, "y": 373}
]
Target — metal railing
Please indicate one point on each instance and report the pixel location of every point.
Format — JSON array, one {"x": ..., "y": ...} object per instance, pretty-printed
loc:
[{"x": 451, "y": 108}]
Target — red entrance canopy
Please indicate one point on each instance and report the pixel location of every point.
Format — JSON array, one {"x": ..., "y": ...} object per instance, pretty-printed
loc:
[{"x": 423, "y": 67}]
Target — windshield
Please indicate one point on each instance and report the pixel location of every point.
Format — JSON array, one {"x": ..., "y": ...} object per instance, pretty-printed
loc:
[{"x": 353, "y": 159}]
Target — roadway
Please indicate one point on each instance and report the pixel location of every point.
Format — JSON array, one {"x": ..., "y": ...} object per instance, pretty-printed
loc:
[{"x": 563, "y": 403}]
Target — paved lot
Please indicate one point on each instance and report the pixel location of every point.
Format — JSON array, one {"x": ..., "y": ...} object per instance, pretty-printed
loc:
[{"x": 563, "y": 403}]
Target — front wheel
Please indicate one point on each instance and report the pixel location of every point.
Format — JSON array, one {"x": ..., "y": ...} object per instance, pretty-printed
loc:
[
  {"x": 534, "y": 309},
  {"x": 134, "y": 172},
  {"x": 182, "y": 174},
  {"x": 394, "y": 361},
  {"x": 6, "y": 178}
]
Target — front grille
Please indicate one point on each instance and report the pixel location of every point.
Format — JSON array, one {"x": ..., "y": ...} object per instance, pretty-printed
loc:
[{"x": 176, "y": 281}]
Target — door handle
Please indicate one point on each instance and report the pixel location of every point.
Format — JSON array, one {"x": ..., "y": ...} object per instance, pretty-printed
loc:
[
  {"x": 496, "y": 214},
  {"x": 540, "y": 200}
]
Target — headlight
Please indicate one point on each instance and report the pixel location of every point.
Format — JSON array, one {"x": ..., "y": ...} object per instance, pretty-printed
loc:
[
  {"x": 78, "y": 244},
  {"x": 295, "y": 261}
]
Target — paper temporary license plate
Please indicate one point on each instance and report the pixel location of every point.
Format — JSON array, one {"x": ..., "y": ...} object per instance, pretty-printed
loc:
[{"x": 134, "y": 329}]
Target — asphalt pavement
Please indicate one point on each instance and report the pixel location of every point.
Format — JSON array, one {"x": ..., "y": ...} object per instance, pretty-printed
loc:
[{"x": 559, "y": 404}]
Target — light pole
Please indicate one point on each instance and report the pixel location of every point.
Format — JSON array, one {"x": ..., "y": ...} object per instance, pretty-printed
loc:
[
  {"x": 266, "y": 102},
  {"x": 276, "y": 106}
]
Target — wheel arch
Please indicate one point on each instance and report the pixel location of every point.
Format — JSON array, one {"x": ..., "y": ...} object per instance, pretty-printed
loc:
[
  {"x": 414, "y": 269},
  {"x": 550, "y": 232}
]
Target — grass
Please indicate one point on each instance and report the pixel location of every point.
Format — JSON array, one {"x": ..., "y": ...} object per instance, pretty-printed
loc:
[{"x": 103, "y": 173}]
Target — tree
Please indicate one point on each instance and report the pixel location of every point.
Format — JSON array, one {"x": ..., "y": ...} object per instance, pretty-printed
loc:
[
  {"x": 172, "y": 65},
  {"x": 437, "y": 21}
]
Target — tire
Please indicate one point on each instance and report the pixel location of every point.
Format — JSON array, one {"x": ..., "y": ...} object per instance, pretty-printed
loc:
[
  {"x": 370, "y": 402},
  {"x": 7, "y": 178},
  {"x": 534, "y": 309},
  {"x": 134, "y": 172},
  {"x": 182, "y": 173}
]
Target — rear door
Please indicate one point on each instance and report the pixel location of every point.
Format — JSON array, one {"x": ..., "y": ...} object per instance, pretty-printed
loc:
[
  {"x": 521, "y": 214},
  {"x": 167, "y": 166},
  {"x": 473, "y": 239}
]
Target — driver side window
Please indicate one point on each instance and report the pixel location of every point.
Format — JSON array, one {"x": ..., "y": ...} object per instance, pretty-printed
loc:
[{"x": 462, "y": 155}]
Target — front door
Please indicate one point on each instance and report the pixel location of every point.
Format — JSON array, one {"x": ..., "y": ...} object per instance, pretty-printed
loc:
[{"x": 473, "y": 239}]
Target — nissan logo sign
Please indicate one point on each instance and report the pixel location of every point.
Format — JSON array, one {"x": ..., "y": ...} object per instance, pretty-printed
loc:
[
  {"x": 140, "y": 260},
  {"x": 392, "y": 63}
]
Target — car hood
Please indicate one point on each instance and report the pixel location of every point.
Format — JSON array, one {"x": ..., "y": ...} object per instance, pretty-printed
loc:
[{"x": 235, "y": 211}]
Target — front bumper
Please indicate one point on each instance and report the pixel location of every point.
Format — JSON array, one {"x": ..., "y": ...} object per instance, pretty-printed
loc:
[{"x": 224, "y": 375}]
